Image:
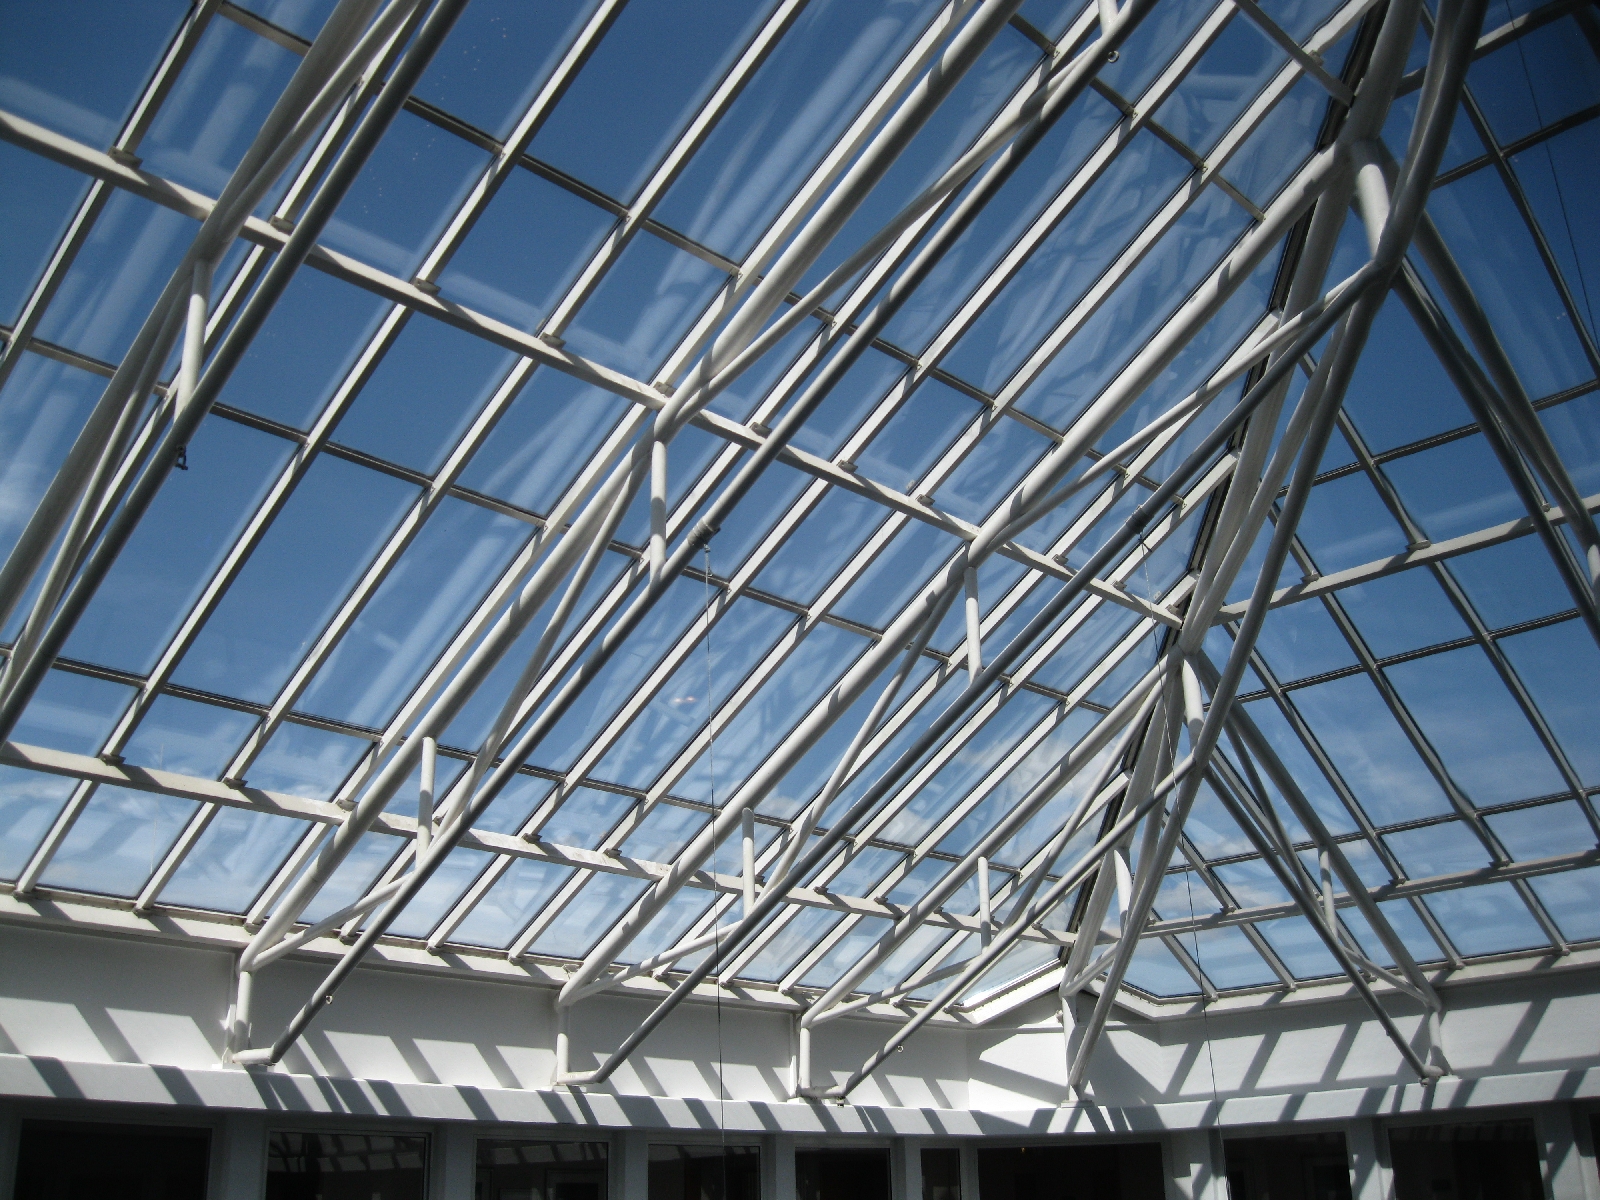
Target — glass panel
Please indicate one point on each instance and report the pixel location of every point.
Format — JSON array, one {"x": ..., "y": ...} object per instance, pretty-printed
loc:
[
  {"x": 58, "y": 1158},
  {"x": 117, "y": 277},
  {"x": 1489, "y": 1158},
  {"x": 312, "y": 337},
  {"x": 841, "y": 1174},
  {"x": 503, "y": 273},
  {"x": 401, "y": 201},
  {"x": 481, "y": 73},
  {"x": 29, "y": 803},
  {"x": 1465, "y": 711},
  {"x": 346, "y": 1166},
  {"x": 36, "y": 206},
  {"x": 235, "y": 858},
  {"x": 1573, "y": 901},
  {"x": 1305, "y": 1166},
  {"x": 515, "y": 1169},
  {"x": 432, "y": 382},
  {"x": 118, "y": 841},
  {"x": 81, "y": 76},
  {"x": 626, "y": 106},
  {"x": 705, "y": 1173},
  {"x": 310, "y": 557},
  {"x": 1560, "y": 666},
  {"x": 785, "y": 120},
  {"x": 1545, "y": 831},
  {"x": 1402, "y": 612},
  {"x": 212, "y": 114},
  {"x": 1441, "y": 849},
  {"x": 1369, "y": 749},
  {"x": 177, "y": 546},
  {"x": 1486, "y": 920},
  {"x": 1127, "y": 1169}
]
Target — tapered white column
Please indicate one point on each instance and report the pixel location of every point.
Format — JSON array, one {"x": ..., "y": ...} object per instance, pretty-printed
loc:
[
  {"x": 240, "y": 1157},
  {"x": 1371, "y": 1177},
  {"x": 1566, "y": 1155},
  {"x": 777, "y": 1167},
  {"x": 1194, "y": 1166},
  {"x": 628, "y": 1173}
]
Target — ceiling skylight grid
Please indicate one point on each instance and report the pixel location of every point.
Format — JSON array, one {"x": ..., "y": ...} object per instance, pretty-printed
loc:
[{"x": 776, "y": 693}]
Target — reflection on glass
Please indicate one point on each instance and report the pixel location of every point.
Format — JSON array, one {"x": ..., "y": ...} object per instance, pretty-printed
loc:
[
  {"x": 346, "y": 1166},
  {"x": 513, "y": 1169},
  {"x": 841, "y": 1174},
  {"x": 1128, "y": 1171},
  {"x": 714, "y": 1172},
  {"x": 1304, "y": 1166},
  {"x": 1487, "y": 1160}
]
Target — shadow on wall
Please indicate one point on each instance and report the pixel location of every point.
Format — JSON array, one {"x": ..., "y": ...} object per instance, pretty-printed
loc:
[{"x": 1489, "y": 1029}]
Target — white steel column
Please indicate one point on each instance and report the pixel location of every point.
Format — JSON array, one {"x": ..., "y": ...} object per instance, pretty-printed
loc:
[
  {"x": 453, "y": 1160},
  {"x": 628, "y": 1172},
  {"x": 969, "y": 1170},
  {"x": 1569, "y": 1173},
  {"x": 239, "y": 1155},
  {"x": 1194, "y": 1166},
  {"x": 1371, "y": 1177},
  {"x": 905, "y": 1168},
  {"x": 777, "y": 1167}
]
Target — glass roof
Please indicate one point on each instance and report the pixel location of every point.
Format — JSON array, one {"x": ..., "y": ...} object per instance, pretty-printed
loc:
[{"x": 450, "y": 480}]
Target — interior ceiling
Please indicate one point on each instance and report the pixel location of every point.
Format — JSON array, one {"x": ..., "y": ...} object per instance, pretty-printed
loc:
[{"x": 491, "y": 470}]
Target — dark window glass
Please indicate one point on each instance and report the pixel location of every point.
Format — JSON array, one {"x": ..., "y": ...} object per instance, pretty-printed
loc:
[
  {"x": 347, "y": 1166},
  {"x": 941, "y": 1175},
  {"x": 841, "y": 1175},
  {"x": 1130, "y": 1171},
  {"x": 1483, "y": 1160},
  {"x": 512, "y": 1169},
  {"x": 705, "y": 1173},
  {"x": 61, "y": 1161},
  {"x": 1305, "y": 1166}
]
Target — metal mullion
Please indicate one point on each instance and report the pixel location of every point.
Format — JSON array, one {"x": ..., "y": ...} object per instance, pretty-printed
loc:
[
  {"x": 997, "y": 774},
  {"x": 126, "y": 145},
  {"x": 507, "y": 157},
  {"x": 1408, "y": 724},
  {"x": 1519, "y": 197},
  {"x": 667, "y": 171},
  {"x": 433, "y": 494},
  {"x": 810, "y": 194},
  {"x": 1313, "y": 746},
  {"x": 1066, "y": 200},
  {"x": 930, "y": 687},
  {"x": 1167, "y": 215},
  {"x": 1469, "y": 614},
  {"x": 1254, "y": 936}
]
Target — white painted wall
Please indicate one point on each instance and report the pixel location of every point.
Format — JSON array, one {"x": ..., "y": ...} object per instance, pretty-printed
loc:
[{"x": 72, "y": 1003}]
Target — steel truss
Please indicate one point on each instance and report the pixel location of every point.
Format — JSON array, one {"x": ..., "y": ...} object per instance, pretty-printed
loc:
[{"x": 1103, "y": 817}]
